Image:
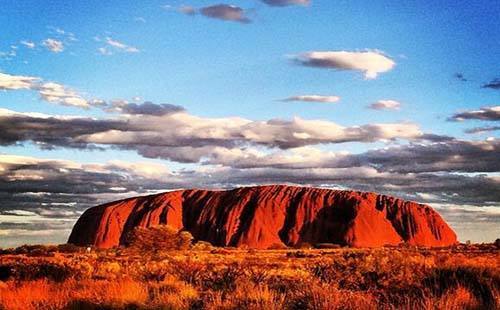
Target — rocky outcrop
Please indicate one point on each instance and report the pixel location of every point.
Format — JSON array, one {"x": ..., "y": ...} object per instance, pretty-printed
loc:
[{"x": 263, "y": 216}]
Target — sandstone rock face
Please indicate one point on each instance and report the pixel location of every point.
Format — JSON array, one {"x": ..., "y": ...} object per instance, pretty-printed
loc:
[{"x": 264, "y": 216}]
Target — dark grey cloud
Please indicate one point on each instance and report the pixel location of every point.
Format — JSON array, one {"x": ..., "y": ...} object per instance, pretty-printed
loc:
[
  {"x": 484, "y": 114},
  {"x": 455, "y": 156},
  {"x": 482, "y": 129},
  {"x": 48, "y": 132},
  {"x": 51, "y": 187},
  {"x": 286, "y": 2},
  {"x": 493, "y": 84},
  {"x": 425, "y": 187},
  {"x": 436, "y": 138},
  {"x": 450, "y": 156},
  {"x": 149, "y": 108},
  {"x": 225, "y": 12}
]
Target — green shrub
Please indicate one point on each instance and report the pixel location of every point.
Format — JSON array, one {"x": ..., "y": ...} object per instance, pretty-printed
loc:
[{"x": 157, "y": 238}]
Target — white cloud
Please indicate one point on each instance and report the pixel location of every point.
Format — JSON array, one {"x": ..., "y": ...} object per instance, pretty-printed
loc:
[
  {"x": 19, "y": 213},
  {"x": 48, "y": 91},
  {"x": 314, "y": 98},
  {"x": 183, "y": 129},
  {"x": 166, "y": 130},
  {"x": 14, "y": 82},
  {"x": 286, "y": 2},
  {"x": 57, "y": 93},
  {"x": 104, "y": 51},
  {"x": 53, "y": 45},
  {"x": 385, "y": 105},
  {"x": 121, "y": 46},
  {"x": 28, "y": 44},
  {"x": 371, "y": 62},
  {"x": 144, "y": 169}
]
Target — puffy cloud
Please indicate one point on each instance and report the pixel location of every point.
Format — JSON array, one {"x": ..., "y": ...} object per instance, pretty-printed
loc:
[
  {"x": 385, "y": 105},
  {"x": 493, "y": 84},
  {"x": 57, "y": 93},
  {"x": 225, "y": 12},
  {"x": 53, "y": 45},
  {"x": 314, "y": 98},
  {"x": 370, "y": 62},
  {"x": 485, "y": 114},
  {"x": 14, "y": 82},
  {"x": 48, "y": 91},
  {"x": 180, "y": 129},
  {"x": 286, "y": 2}
]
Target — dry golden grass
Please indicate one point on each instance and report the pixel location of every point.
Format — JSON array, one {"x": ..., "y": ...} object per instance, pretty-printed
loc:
[{"x": 207, "y": 278}]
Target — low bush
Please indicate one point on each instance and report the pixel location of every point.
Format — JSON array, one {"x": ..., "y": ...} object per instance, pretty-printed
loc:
[{"x": 158, "y": 238}]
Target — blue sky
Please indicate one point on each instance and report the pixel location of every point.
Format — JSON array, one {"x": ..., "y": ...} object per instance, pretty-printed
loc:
[{"x": 217, "y": 68}]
